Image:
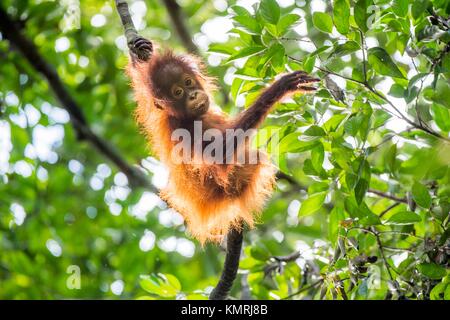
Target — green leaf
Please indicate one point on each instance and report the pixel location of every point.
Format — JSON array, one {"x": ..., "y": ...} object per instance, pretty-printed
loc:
[
  {"x": 382, "y": 63},
  {"x": 314, "y": 131},
  {"x": 270, "y": 11},
  {"x": 163, "y": 285},
  {"x": 341, "y": 16},
  {"x": 236, "y": 87},
  {"x": 414, "y": 80},
  {"x": 345, "y": 49},
  {"x": 291, "y": 143},
  {"x": 248, "y": 24},
  {"x": 317, "y": 157},
  {"x": 278, "y": 59},
  {"x": 441, "y": 116},
  {"x": 260, "y": 252},
  {"x": 361, "y": 13},
  {"x": 390, "y": 158},
  {"x": 312, "y": 204},
  {"x": 439, "y": 94},
  {"x": 317, "y": 187},
  {"x": 403, "y": 218},
  {"x": 360, "y": 190},
  {"x": 286, "y": 22},
  {"x": 432, "y": 270},
  {"x": 322, "y": 22},
  {"x": 421, "y": 195},
  {"x": 221, "y": 48},
  {"x": 309, "y": 63},
  {"x": 352, "y": 125},
  {"x": 332, "y": 123},
  {"x": 439, "y": 290},
  {"x": 400, "y": 7},
  {"x": 397, "y": 91},
  {"x": 336, "y": 216},
  {"x": 368, "y": 218},
  {"x": 419, "y": 8},
  {"x": 247, "y": 52},
  {"x": 240, "y": 11}
]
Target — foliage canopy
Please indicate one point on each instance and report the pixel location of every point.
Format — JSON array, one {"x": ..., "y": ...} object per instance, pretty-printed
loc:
[{"x": 362, "y": 206}]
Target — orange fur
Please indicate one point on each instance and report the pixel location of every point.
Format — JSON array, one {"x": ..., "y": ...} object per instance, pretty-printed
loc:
[{"x": 212, "y": 198}]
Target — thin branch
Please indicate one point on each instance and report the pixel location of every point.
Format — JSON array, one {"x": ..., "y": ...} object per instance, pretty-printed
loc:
[
  {"x": 328, "y": 71},
  {"x": 388, "y": 196},
  {"x": 383, "y": 256},
  {"x": 388, "y": 209},
  {"x": 291, "y": 180},
  {"x": 363, "y": 49},
  {"x": 290, "y": 257},
  {"x": 230, "y": 267},
  {"x": 12, "y": 31},
  {"x": 176, "y": 15},
  {"x": 277, "y": 262},
  {"x": 305, "y": 288},
  {"x": 295, "y": 39},
  {"x": 382, "y": 97}
]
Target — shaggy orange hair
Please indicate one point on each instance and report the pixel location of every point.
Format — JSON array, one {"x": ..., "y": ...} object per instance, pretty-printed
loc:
[{"x": 192, "y": 188}]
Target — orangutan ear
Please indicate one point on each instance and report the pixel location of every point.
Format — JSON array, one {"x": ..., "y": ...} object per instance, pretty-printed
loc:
[{"x": 158, "y": 105}]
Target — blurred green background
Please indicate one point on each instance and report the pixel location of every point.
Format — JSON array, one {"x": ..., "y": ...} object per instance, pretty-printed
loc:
[{"x": 361, "y": 209}]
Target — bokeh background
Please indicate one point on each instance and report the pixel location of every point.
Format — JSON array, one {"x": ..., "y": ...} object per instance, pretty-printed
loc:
[{"x": 362, "y": 204}]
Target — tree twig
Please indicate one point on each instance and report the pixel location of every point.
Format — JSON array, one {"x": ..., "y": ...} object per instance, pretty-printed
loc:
[
  {"x": 383, "y": 256},
  {"x": 12, "y": 31},
  {"x": 382, "y": 97},
  {"x": 392, "y": 206},
  {"x": 280, "y": 175},
  {"x": 388, "y": 196},
  {"x": 176, "y": 15},
  {"x": 230, "y": 267},
  {"x": 305, "y": 288}
]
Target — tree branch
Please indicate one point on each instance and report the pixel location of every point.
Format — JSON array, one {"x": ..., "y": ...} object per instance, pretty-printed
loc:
[
  {"x": 399, "y": 114},
  {"x": 388, "y": 196},
  {"x": 11, "y": 30},
  {"x": 176, "y": 15},
  {"x": 305, "y": 288},
  {"x": 280, "y": 175},
  {"x": 230, "y": 267},
  {"x": 127, "y": 22}
]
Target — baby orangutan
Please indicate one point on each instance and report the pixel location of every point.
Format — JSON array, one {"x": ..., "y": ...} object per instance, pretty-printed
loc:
[{"x": 173, "y": 93}]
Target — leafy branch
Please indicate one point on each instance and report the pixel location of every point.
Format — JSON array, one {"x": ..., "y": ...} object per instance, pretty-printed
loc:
[
  {"x": 370, "y": 88},
  {"x": 11, "y": 30}
]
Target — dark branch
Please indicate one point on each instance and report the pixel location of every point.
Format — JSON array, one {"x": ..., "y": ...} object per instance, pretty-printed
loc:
[
  {"x": 230, "y": 267},
  {"x": 388, "y": 196},
  {"x": 291, "y": 180},
  {"x": 176, "y": 16},
  {"x": 127, "y": 22},
  {"x": 290, "y": 257},
  {"x": 398, "y": 114},
  {"x": 12, "y": 31},
  {"x": 141, "y": 49}
]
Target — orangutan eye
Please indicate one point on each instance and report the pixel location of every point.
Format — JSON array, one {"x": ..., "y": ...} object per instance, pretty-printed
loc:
[
  {"x": 177, "y": 92},
  {"x": 188, "y": 81}
]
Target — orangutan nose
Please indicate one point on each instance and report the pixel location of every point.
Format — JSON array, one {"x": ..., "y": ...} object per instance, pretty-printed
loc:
[{"x": 193, "y": 95}]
